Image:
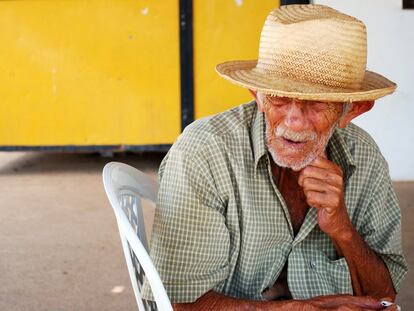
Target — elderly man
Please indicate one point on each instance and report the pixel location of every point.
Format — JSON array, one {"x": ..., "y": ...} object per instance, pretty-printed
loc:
[{"x": 282, "y": 203}]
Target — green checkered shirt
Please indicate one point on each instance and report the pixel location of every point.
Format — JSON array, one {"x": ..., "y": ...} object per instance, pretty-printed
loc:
[{"x": 222, "y": 224}]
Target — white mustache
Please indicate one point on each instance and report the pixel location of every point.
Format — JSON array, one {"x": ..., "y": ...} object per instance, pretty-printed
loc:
[{"x": 295, "y": 136}]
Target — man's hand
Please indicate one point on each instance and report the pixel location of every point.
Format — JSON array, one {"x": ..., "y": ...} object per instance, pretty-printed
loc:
[
  {"x": 322, "y": 183},
  {"x": 213, "y": 301},
  {"x": 347, "y": 302}
]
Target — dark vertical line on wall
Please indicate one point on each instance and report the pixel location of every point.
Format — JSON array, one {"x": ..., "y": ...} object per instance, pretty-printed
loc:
[
  {"x": 286, "y": 2},
  {"x": 186, "y": 62},
  {"x": 408, "y": 4}
]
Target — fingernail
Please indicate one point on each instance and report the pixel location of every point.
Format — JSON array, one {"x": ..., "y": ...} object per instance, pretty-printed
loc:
[{"x": 385, "y": 303}]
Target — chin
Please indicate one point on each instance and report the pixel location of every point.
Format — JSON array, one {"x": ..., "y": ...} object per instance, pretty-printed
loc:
[
  {"x": 293, "y": 161},
  {"x": 293, "y": 164},
  {"x": 296, "y": 156}
]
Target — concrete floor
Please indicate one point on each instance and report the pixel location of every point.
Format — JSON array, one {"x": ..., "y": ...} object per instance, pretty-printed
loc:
[{"x": 59, "y": 244}]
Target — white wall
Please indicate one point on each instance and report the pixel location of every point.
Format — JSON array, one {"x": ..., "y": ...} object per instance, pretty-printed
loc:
[{"x": 390, "y": 53}]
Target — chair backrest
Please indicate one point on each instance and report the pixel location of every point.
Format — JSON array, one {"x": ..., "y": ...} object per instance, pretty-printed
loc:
[{"x": 125, "y": 186}]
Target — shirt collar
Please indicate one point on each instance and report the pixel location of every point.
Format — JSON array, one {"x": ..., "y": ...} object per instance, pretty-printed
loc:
[
  {"x": 337, "y": 149},
  {"x": 258, "y": 137},
  {"x": 339, "y": 152}
]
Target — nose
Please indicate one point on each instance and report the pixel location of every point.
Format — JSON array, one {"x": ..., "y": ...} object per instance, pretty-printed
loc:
[{"x": 295, "y": 118}]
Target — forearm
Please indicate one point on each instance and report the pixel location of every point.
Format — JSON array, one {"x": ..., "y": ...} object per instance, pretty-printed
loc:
[
  {"x": 369, "y": 274},
  {"x": 214, "y": 301}
]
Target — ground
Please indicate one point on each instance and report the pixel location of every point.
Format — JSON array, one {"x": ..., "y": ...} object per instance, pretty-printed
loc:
[{"x": 59, "y": 245}]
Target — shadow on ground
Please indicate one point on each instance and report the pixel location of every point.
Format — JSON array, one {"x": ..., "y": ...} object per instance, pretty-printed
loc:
[{"x": 35, "y": 162}]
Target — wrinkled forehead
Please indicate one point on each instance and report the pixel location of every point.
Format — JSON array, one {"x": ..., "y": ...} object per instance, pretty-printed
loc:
[{"x": 279, "y": 106}]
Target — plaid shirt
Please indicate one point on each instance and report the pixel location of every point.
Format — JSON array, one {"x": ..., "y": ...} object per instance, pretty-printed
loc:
[{"x": 222, "y": 224}]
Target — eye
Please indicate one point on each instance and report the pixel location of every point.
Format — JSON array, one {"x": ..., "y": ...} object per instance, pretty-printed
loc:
[
  {"x": 319, "y": 106},
  {"x": 278, "y": 104},
  {"x": 279, "y": 101}
]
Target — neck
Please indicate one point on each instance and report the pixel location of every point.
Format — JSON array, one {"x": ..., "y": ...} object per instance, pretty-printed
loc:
[{"x": 281, "y": 173}]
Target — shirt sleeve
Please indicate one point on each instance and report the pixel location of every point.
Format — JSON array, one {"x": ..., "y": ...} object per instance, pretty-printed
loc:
[
  {"x": 190, "y": 241},
  {"x": 382, "y": 225}
]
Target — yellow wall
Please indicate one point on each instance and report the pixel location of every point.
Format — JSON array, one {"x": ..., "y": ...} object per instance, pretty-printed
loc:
[
  {"x": 89, "y": 72},
  {"x": 224, "y": 30},
  {"x": 106, "y": 72}
]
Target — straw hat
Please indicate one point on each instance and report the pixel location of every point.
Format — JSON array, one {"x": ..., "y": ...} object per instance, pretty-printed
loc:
[{"x": 310, "y": 52}]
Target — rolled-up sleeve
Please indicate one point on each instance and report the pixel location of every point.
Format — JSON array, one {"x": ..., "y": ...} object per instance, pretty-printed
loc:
[
  {"x": 382, "y": 225},
  {"x": 190, "y": 241}
]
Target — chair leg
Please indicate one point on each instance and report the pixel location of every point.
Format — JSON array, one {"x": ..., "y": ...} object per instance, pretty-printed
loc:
[{"x": 131, "y": 272}]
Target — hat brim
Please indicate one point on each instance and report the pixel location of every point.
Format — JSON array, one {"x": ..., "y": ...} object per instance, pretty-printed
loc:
[{"x": 245, "y": 73}]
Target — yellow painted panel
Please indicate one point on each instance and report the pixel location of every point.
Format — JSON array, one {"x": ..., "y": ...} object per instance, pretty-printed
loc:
[
  {"x": 90, "y": 72},
  {"x": 224, "y": 30}
]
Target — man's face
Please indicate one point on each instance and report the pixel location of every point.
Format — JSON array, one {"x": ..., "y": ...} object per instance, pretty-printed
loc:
[{"x": 297, "y": 131}]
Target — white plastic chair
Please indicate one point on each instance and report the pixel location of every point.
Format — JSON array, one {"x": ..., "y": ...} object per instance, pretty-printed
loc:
[{"x": 125, "y": 186}]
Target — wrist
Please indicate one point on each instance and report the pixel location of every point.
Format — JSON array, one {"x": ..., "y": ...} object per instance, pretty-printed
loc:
[
  {"x": 342, "y": 229},
  {"x": 343, "y": 242},
  {"x": 345, "y": 235}
]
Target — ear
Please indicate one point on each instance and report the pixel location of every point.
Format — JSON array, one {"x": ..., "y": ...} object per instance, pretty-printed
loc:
[
  {"x": 356, "y": 110},
  {"x": 258, "y": 102},
  {"x": 254, "y": 93}
]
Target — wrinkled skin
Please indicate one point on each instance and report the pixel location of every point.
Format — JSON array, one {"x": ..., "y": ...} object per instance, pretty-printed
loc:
[
  {"x": 213, "y": 301},
  {"x": 297, "y": 131},
  {"x": 322, "y": 183},
  {"x": 320, "y": 179},
  {"x": 296, "y": 135}
]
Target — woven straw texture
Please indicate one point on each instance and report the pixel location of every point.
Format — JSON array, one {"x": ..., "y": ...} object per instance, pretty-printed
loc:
[{"x": 310, "y": 52}]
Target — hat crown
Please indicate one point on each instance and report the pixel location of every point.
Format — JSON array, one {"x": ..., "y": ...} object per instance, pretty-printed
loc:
[{"x": 314, "y": 44}]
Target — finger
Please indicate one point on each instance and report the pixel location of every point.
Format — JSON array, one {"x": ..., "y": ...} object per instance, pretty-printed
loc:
[
  {"x": 332, "y": 301},
  {"x": 389, "y": 304},
  {"x": 353, "y": 307},
  {"x": 367, "y": 309},
  {"x": 320, "y": 200},
  {"x": 313, "y": 184},
  {"x": 367, "y": 303},
  {"x": 330, "y": 177},
  {"x": 386, "y": 300},
  {"x": 373, "y": 308},
  {"x": 323, "y": 162}
]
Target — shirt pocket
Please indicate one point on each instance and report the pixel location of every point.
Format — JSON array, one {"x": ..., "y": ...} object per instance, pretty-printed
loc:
[{"x": 334, "y": 276}]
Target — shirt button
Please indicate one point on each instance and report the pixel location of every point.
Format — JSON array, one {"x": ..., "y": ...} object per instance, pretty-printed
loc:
[{"x": 312, "y": 264}]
